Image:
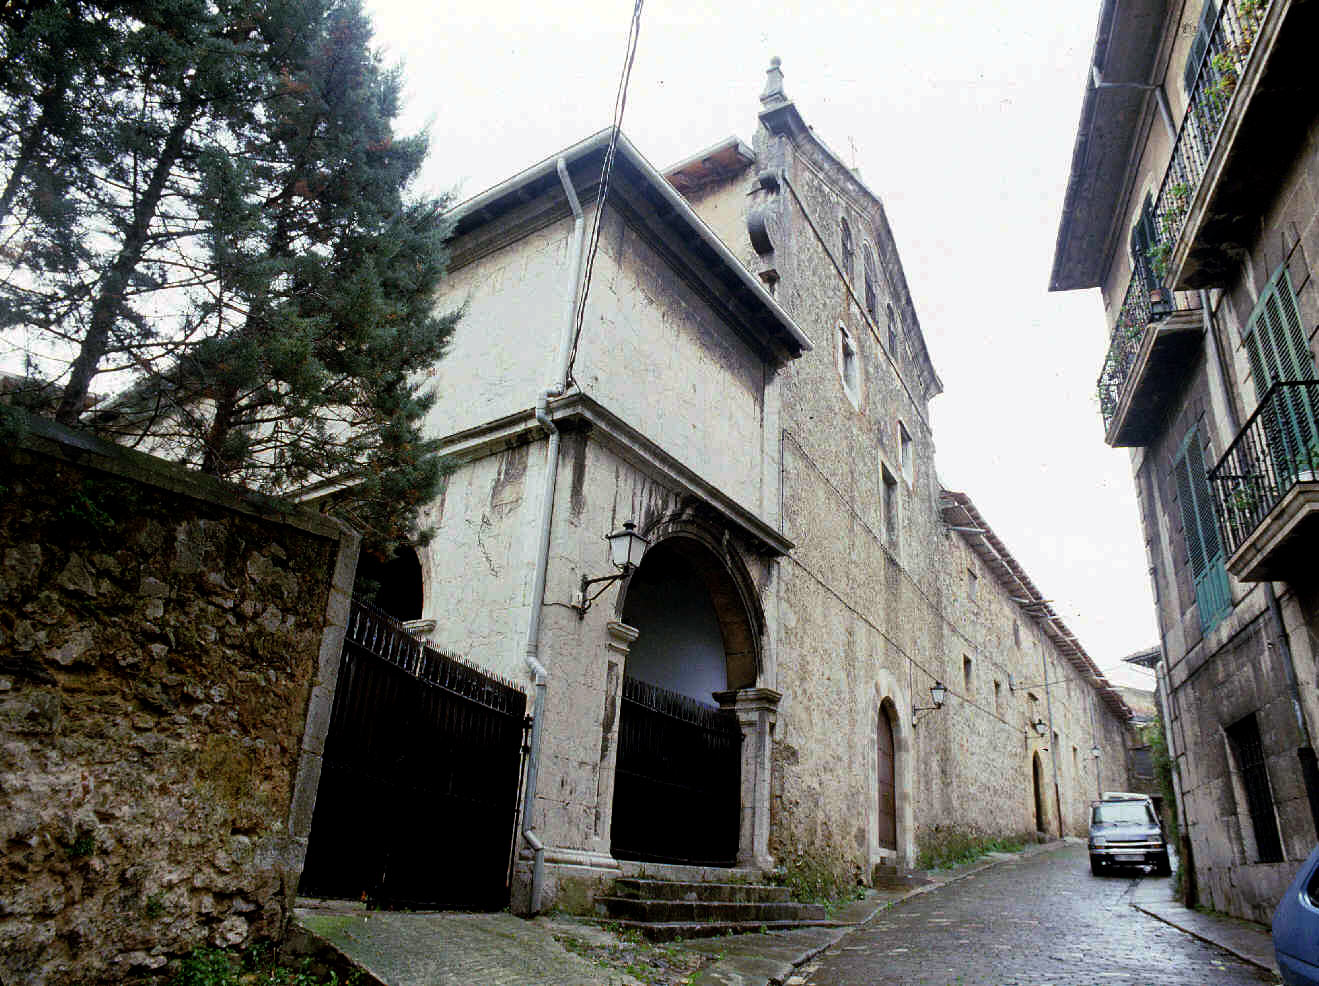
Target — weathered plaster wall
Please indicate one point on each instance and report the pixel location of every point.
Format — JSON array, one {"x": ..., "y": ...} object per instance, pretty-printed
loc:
[
  {"x": 480, "y": 561},
  {"x": 661, "y": 358},
  {"x": 160, "y": 640},
  {"x": 503, "y": 348}
]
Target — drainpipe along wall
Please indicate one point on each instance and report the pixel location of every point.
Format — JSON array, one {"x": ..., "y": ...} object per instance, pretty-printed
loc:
[{"x": 531, "y": 653}]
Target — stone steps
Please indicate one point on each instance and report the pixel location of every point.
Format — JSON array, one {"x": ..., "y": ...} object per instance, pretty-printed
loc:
[
  {"x": 649, "y": 889},
  {"x": 663, "y": 910},
  {"x": 662, "y": 931},
  {"x": 885, "y": 876}
]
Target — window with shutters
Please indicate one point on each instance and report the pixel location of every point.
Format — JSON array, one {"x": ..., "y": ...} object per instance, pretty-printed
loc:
[
  {"x": 1204, "y": 31},
  {"x": 1204, "y": 547},
  {"x": 1276, "y": 347},
  {"x": 1253, "y": 776},
  {"x": 1144, "y": 235},
  {"x": 849, "y": 252},
  {"x": 868, "y": 263}
]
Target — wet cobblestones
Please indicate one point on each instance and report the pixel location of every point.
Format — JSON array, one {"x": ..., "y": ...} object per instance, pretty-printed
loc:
[{"x": 1042, "y": 921}]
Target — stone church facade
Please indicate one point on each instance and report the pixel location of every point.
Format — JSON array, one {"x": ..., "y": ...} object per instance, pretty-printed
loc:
[{"x": 746, "y": 382}]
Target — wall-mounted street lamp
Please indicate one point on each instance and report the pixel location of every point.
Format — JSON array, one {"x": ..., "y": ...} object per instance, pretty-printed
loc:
[
  {"x": 937, "y": 695},
  {"x": 1095, "y": 751},
  {"x": 626, "y": 547},
  {"x": 1041, "y": 727}
]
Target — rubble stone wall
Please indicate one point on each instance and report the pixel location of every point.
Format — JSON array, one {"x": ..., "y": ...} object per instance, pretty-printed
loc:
[{"x": 161, "y": 639}]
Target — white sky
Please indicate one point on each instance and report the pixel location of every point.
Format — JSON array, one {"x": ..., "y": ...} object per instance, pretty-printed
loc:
[{"x": 961, "y": 117}]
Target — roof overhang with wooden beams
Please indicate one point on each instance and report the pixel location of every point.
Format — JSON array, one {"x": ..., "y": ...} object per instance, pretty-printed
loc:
[
  {"x": 726, "y": 159},
  {"x": 960, "y": 513}
]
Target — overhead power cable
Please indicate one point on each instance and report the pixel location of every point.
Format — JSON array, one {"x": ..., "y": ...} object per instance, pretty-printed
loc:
[{"x": 606, "y": 171}]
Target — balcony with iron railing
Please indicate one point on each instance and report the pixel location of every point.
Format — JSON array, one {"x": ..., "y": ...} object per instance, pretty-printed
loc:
[
  {"x": 1227, "y": 157},
  {"x": 1149, "y": 354},
  {"x": 1266, "y": 486},
  {"x": 1246, "y": 119}
]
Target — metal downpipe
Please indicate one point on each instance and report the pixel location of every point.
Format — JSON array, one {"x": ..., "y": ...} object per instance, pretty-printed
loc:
[{"x": 532, "y": 649}]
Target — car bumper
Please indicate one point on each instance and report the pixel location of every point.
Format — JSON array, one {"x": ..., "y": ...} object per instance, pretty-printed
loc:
[
  {"x": 1296, "y": 972},
  {"x": 1117, "y": 856}
]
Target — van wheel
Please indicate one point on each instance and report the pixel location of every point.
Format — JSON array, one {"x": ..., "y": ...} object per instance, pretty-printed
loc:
[
  {"x": 1096, "y": 866},
  {"x": 1162, "y": 867}
]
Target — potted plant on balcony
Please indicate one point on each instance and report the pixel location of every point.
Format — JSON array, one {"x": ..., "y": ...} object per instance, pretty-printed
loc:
[
  {"x": 1243, "y": 505},
  {"x": 1219, "y": 91},
  {"x": 1249, "y": 15},
  {"x": 1305, "y": 466},
  {"x": 1179, "y": 198},
  {"x": 1158, "y": 256}
]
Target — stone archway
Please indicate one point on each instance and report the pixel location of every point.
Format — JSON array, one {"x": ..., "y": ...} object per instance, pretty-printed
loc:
[
  {"x": 681, "y": 542},
  {"x": 687, "y": 727}
]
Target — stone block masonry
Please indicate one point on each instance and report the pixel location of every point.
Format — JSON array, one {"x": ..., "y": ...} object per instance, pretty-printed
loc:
[{"x": 161, "y": 644}]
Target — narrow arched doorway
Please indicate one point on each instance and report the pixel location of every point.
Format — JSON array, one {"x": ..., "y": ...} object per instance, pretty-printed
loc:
[
  {"x": 1037, "y": 775},
  {"x": 677, "y": 788},
  {"x": 886, "y": 809}
]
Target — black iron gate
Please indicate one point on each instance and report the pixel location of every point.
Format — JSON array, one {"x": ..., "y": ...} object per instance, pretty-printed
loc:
[
  {"x": 419, "y": 784},
  {"x": 677, "y": 789}
]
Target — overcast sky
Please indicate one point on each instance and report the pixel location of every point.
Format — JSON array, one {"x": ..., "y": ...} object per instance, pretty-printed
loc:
[{"x": 961, "y": 118}]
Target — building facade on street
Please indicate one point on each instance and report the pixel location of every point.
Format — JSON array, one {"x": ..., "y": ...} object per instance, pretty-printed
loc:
[
  {"x": 746, "y": 382},
  {"x": 1192, "y": 205}
]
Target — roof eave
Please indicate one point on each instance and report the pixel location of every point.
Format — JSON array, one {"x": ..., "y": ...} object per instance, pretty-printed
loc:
[{"x": 469, "y": 215}]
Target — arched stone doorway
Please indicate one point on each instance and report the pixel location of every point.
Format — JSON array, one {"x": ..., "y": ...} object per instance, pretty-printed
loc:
[
  {"x": 1037, "y": 776},
  {"x": 678, "y": 785},
  {"x": 886, "y": 783}
]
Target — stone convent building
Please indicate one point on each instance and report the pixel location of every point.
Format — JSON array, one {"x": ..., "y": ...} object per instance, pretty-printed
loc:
[{"x": 748, "y": 385}]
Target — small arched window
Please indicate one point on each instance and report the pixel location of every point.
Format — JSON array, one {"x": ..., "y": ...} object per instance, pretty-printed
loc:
[
  {"x": 849, "y": 252},
  {"x": 868, "y": 262}
]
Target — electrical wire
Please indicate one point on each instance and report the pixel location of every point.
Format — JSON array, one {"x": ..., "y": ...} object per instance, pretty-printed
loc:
[{"x": 606, "y": 171}]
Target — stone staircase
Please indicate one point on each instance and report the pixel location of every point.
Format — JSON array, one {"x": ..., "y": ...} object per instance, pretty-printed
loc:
[{"x": 663, "y": 910}]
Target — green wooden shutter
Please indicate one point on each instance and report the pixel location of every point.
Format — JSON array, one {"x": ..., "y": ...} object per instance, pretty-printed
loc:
[
  {"x": 1277, "y": 349},
  {"x": 1204, "y": 547},
  {"x": 1200, "y": 44}
]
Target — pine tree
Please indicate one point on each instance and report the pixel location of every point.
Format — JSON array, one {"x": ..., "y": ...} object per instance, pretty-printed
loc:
[{"x": 270, "y": 281}]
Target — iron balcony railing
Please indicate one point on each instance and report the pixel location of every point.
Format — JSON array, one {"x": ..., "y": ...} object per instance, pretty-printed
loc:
[
  {"x": 1135, "y": 316},
  {"x": 1228, "y": 50},
  {"x": 1277, "y": 448},
  {"x": 1230, "y": 44}
]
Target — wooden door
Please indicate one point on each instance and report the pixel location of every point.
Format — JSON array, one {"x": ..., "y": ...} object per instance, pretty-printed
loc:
[{"x": 886, "y": 810}]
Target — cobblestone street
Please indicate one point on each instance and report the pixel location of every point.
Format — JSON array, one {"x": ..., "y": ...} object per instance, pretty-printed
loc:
[{"x": 1042, "y": 921}]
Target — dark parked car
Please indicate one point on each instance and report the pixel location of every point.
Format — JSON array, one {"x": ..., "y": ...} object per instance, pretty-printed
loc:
[
  {"x": 1126, "y": 832},
  {"x": 1296, "y": 927}
]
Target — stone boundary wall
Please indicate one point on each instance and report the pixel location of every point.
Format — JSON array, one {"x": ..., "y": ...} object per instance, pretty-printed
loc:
[{"x": 168, "y": 653}]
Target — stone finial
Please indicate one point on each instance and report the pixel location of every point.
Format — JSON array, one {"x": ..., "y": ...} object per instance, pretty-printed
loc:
[{"x": 773, "y": 93}]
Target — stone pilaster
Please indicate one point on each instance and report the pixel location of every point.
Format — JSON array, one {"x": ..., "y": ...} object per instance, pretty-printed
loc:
[
  {"x": 620, "y": 641},
  {"x": 756, "y": 710}
]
